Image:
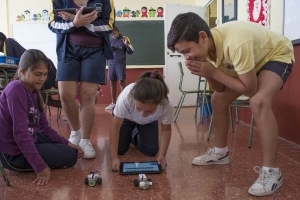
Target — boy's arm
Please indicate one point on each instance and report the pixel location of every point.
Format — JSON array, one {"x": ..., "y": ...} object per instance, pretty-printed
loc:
[
  {"x": 245, "y": 84},
  {"x": 215, "y": 85}
]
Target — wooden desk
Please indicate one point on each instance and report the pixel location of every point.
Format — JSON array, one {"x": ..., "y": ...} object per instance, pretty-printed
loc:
[{"x": 3, "y": 68}]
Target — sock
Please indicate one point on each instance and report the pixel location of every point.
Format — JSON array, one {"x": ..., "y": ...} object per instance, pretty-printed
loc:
[
  {"x": 221, "y": 151},
  {"x": 76, "y": 132},
  {"x": 277, "y": 170},
  {"x": 85, "y": 140}
]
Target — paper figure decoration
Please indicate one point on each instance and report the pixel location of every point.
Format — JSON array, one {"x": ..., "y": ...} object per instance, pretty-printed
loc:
[
  {"x": 34, "y": 17},
  {"x": 160, "y": 12},
  {"x": 126, "y": 12},
  {"x": 119, "y": 13},
  {"x": 144, "y": 11},
  {"x": 137, "y": 13},
  {"x": 27, "y": 15},
  {"x": 258, "y": 11},
  {"x": 152, "y": 12},
  {"x": 20, "y": 18},
  {"x": 132, "y": 14},
  {"x": 39, "y": 16},
  {"x": 45, "y": 15}
]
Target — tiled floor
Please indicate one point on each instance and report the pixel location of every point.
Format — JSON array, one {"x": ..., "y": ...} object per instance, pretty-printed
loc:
[{"x": 181, "y": 180}]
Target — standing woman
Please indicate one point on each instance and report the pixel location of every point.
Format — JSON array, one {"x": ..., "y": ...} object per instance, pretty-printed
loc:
[{"x": 82, "y": 49}]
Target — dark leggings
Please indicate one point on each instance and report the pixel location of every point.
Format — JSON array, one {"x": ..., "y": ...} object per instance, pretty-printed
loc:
[
  {"x": 54, "y": 155},
  {"x": 143, "y": 137}
]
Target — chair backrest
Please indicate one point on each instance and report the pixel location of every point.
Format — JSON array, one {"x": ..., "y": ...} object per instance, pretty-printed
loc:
[{"x": 181, "y": 74}]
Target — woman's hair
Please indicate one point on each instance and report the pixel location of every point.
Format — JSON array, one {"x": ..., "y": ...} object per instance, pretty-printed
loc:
[
  {"x": 29, "y": 61},
  {"x": 150, "y": 88}
]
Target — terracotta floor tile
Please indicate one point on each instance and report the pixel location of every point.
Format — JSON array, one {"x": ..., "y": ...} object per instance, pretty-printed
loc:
[{"x": 181, "y": 180}]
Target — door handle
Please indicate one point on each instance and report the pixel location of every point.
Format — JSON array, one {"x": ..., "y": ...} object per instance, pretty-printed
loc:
[{"x": 174, "y": 55}]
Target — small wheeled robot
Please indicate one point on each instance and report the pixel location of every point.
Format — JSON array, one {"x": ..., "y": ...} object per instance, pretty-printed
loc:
[
  {"x": 143, "y": 182},
  {"x": 93, "y": 178}
]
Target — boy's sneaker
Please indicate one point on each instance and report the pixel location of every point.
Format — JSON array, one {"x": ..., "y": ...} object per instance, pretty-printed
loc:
[
  {"x": 88, "y": 150},
  {"x": 211, "y": 158},
  {"x": 267, "y": 183},
  {"x": 110, "y": 107},
  {"x": 75, "y": 137}
]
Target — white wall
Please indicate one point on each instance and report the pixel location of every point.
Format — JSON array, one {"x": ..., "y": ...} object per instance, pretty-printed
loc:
[{"x": 3, "y": 17}]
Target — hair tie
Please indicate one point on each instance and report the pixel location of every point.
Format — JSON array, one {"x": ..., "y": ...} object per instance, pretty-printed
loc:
[{"x": 152, "y": 76}]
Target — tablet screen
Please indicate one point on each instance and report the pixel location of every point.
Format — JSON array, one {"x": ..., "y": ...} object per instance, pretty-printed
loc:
[{"x": 140, "y": 167}]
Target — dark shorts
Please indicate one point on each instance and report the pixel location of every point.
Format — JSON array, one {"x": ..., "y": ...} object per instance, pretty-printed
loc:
[
  {"x": 117, "y": 71},
  {"x": 281, "y": 69},
  {"x": 82, "y": 64}
]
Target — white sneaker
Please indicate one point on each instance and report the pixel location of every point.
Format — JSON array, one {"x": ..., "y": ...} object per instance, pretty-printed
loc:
[
  {"x": 110, "y": 107},
  {"x": 65, "y": 119},
  {"x": 211, "y": 158},
  {"x": 88, "y": 150},
  {"x": 267, "y": 183},
  {"x": 75, "y": 138}
]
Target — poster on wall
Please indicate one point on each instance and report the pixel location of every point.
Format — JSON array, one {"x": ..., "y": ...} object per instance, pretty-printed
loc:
[{"x": 258, "y": 11}]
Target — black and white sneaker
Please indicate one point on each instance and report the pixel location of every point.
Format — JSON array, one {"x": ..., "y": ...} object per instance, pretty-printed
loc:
[
  {"x": 211, "y": 158},
  {"x": 267, "y": 183}
]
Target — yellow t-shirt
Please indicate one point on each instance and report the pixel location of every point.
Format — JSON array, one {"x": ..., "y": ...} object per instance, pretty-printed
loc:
[{"x": 243, "y": 45}]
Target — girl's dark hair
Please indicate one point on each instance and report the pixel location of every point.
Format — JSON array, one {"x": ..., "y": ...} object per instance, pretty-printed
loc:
[
  {"x": 29, "y": 61},
  {"x": 186, "y": 27},
  {"x": 150, "y": 88}
]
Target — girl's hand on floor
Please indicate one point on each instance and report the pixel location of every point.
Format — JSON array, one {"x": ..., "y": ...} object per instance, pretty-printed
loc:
[
  {"x": 43, "y": 177},
  {"x": 115, "y": 164},
  {"x": 162, "y": 161}
]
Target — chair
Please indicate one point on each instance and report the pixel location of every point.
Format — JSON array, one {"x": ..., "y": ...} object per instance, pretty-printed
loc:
[
  {"x": 243, "y": 102},
  {"x": 48, "y": 94},
  {"x": 4, "y": 174},
  {"x": 185, "y": 92}
]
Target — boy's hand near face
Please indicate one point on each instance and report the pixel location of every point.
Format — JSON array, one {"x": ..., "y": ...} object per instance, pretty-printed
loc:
[{"x": 201, "y": 68}]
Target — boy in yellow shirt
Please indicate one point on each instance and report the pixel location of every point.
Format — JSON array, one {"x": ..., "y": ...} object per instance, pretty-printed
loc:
[{"x": 237, "y": 58}]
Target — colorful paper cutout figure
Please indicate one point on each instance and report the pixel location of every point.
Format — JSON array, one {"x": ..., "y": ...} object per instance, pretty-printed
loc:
[
  {"x": 34, "y": 17},
  {"x": 152, "y": 12},
  {"x": 144, "y": 11},
  {"x": 126, "y": 12},
  {"x": 137, "y": 13},
  {"x": 27, "y": 15},
  {"x": 39, "y": 16},
  {"x": 160, "y": 12},
  {"x": 119, "y": 13},
  {"x": 45, "y": 15},
  {"x": 20, "y": 18},
  {"x": 132, "y": 14}
]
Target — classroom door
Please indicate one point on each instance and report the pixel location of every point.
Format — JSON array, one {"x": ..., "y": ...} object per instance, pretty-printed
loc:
[{"x": 171, "y": 73}]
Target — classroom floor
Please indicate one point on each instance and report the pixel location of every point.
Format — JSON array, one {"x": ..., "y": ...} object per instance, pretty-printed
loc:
[{"x": 181, "y": 180}]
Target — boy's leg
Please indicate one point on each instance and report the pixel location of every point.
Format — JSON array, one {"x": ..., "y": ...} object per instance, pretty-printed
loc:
[
  {"x": 219, "y": 155},
  {"x": 125, "y": 136},
  {"x": 270, "y": 177},
  {"x": 146, "y": 138}
]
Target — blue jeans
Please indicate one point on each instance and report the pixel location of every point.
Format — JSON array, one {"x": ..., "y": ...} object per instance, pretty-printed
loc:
[{"x": 143, "y": 137}]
